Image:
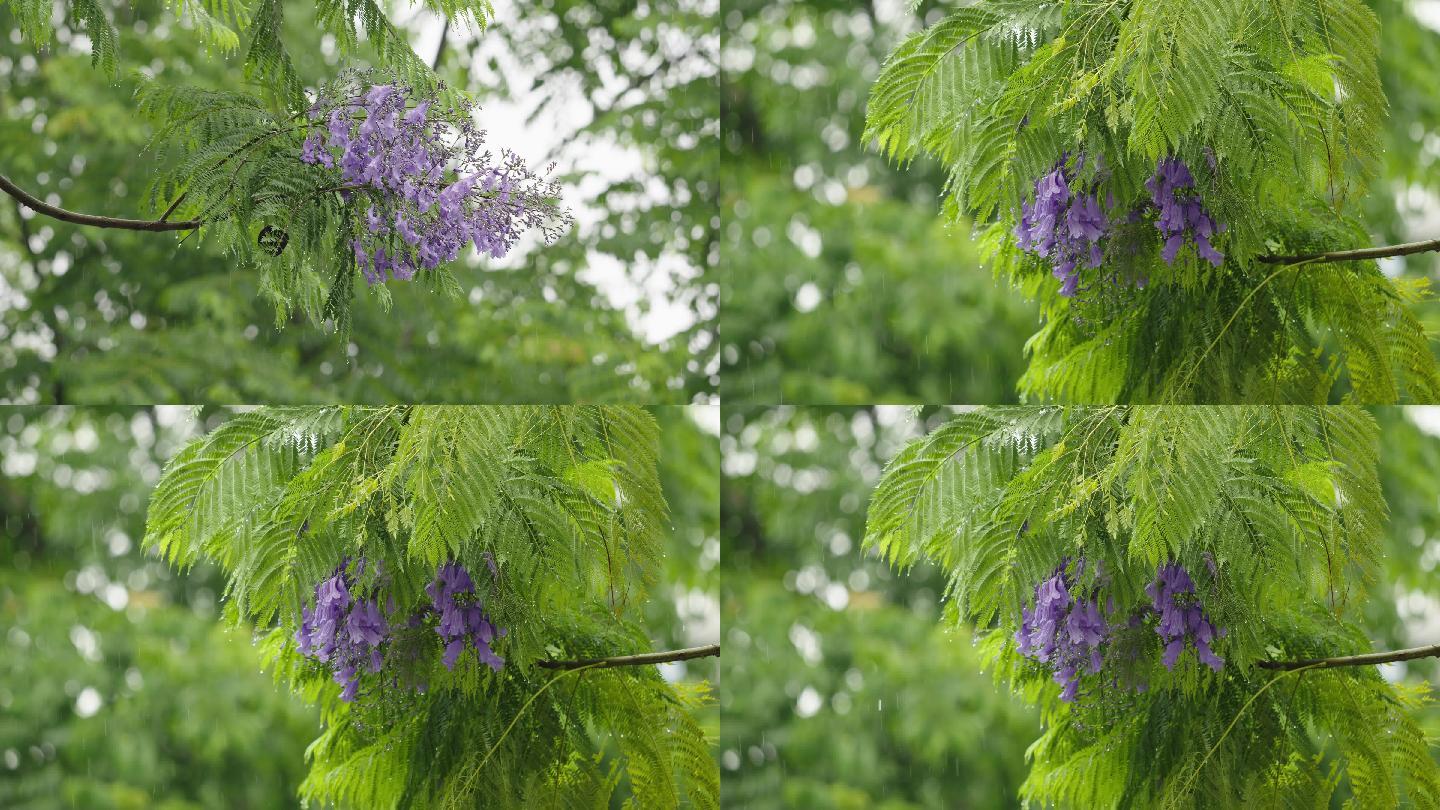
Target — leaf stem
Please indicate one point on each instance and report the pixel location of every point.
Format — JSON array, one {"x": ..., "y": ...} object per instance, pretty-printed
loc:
[
  {"x": 520, "y": 713},
  {"x": 1243, "y": 303},
  {"x": 1196, "y": 773}
]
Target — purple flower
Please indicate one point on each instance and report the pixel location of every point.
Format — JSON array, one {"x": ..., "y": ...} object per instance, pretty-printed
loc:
[
  {"x": 305, "y": 636},
  {"x": 488, "y": 657},
  {"x": 341, "y": 631},
  {"x": 452, "y": 621},
  {"x": 1026, "y": 631},
  {"x": 1085, "y": 625},
  {"x": 312, "y": 153},
  {"x": 452, "y": 651},
  {"x": 379, "y": 94},
  {"x": 366, "y": 625},
  {"x": 406, "y": 230},
  {"x": 333, "y": 591},
  {"x": 1072, "y": 687},
  {"x": 417, "y": 115},
  {"x": 1208, "y": 658},
  {"x": 462, "y": 617},
  {"x": 1068, "y": 632},
  {"x": 1085, "y": 219},
  {"x": 404, "y": 159},
  {"x": 350, "y": 633},
  {"x": 1065, "y": 632},
  {"x": 1172, "y": 652},
  {"x": 1066, "y": 224},
  {"x": 483, "y": 631},
  {"x": 1063, "y": 226},
  {"x": 1182, "y": 216},
  {"x": 1182, "y": 619},
  {"x": 450, "y": 579}
]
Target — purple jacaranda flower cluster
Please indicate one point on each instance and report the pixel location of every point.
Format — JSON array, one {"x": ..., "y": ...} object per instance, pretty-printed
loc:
[
  {"x": 1182, "y": 619},
  {"x": 462, "y": 618},
  {"x": 1068, "y": 225},
  {"x": 348, "y": 632},
  {"x": 425, "y": 187},
  {"x": 1064, "y": 226},
  {"x": 1182, "y": 215},
  {"x": 343, "y": 631},
  {"x": 1068, "y": 631},
  {"x": 1064, "y": 631}
]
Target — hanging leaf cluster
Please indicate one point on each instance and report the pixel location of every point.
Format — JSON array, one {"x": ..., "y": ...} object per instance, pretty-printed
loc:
[
  {"x": 257, "y": 27},
  {"x": 369, "y": 179},
  {"x": 1273, "y": 514},
  {"x": 556, "y": 516},
  {"x": 1154, "y": 293}
]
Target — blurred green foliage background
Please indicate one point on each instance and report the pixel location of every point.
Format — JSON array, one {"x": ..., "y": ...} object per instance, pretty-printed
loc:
[
  {"x": 845, "y": 284},
  {"x": 121, "y": 688},
  {"x": 847, "y": 685},
  {"x": 97, "y": 317}
]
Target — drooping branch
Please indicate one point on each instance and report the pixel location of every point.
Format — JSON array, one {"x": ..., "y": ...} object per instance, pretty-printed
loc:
[
  {"x": 1381, "y": 252},
  {"x": 1432, "y": 651},
  {"x": 634, "y": 660},
  {"x": 55, "y": 212}
]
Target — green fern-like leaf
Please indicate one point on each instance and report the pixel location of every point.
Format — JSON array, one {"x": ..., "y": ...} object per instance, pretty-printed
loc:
[
  {"x": 1277, "y": 514},
  {"x": 565, "y": 504}
]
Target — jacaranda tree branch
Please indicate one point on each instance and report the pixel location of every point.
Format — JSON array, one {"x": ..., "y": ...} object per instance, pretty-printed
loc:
[
  {"x": 1356, "y": 660},
  {"x": 1356, "y": 255},
  {"x": 40, "y": 206},
  {"x": 634, "y": 660},
  {"x": 163, "y": 224}
]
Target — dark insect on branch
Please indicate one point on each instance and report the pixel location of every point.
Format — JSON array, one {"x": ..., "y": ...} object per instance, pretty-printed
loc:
[
  {"x": 272, "y": 240},
  {"x": 634, "y": 660}
]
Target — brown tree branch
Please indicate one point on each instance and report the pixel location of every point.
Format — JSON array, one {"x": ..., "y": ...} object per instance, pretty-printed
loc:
[
  {"x": 1432, "y": 651},
  {"x": 55, "y": 212},
  {"x": 634, "y": 660},
  {"x": 1381, "y": 252}
]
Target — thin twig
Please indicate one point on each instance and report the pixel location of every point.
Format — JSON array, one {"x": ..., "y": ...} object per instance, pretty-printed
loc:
[
  {"x": 173, "y": 206},
  {"x": 1356, "y": 255},
  {"x": 634, "y": 660},
  {"x": 1185, "y": 788},
  {"x": 516, "y": 719},
  {"x": 1246, "y": 300},
  {"x": 55, "y": 212},
  {"x": 1432, "y": 651},
  {"x": 440, "y": 49}
]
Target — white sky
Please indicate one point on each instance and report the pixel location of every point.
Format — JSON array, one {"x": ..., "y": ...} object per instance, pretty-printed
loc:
[
  {"x": 1427, "y": 12},
  {"x": 553, "y": 135}
]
